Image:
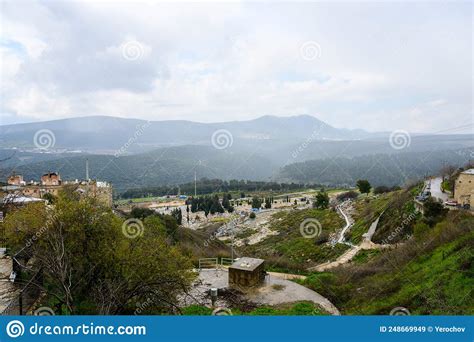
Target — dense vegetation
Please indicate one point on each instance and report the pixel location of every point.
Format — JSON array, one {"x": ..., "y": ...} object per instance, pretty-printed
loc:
[
  {"x": 208, "y": 186},
  {"x": 92, "y": 262},
  {"x": 378, "y": 169}
]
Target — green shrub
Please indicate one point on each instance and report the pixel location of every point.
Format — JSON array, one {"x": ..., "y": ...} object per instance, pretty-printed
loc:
[
  {"x": 196, "y": 310},
  {"x": 420, "y": 229}
]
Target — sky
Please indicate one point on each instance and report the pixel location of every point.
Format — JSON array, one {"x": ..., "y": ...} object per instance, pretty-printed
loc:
[{"x": 373, "y": 65}]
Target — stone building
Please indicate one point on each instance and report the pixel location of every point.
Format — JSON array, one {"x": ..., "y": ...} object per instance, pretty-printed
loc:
[
  {"x": 464, "y": 188},
  {"x": 51, "y": 178},
  {"x": 51, "y": 183},
  {"x": 16, "y": 180}
]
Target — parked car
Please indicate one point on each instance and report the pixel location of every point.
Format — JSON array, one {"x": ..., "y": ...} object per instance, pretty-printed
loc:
[
  {"x": 422, "y": 197},
  {"x": 451, "y": 203}
]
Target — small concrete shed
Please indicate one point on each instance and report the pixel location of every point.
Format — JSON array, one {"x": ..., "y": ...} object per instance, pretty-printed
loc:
[{"x": 247, "y": 273}]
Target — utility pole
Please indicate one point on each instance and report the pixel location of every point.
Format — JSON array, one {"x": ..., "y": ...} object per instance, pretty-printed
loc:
[
  {"x": 232, "y": 244},
  {"x": 195, "y": 179},
  {"x": 87, "y": 169}
]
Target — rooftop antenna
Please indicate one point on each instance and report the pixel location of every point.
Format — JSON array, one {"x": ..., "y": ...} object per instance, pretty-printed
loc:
[{"x": 87, "y": 169}]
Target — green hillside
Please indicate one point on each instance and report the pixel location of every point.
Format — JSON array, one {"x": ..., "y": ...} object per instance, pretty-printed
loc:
[{"x": 431, "y": 274}]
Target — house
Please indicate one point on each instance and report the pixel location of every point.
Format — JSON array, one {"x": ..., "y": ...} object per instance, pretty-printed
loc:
[
  {"x": 15, "y": 180},
  {"x": 51, "y": 178},
  {"x": 51, "y": 183},
  {"x": 464, "y": 188}
]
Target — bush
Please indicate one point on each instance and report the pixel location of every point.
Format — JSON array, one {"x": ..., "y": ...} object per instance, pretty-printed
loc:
[
  {"x": 252, "y": 215},
  {"x": 384, "y": 189},
  {"x": 347, "y": 195},
  {"x": 196, "y": 310},
  {"x": 434, "y": 211},
  {"x": 420, "y": 228}
]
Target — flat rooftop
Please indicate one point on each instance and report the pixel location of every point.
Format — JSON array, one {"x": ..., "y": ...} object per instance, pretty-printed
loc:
[
  {"x": 247, "y": 264},
  {"x": 468, "y": 172}
]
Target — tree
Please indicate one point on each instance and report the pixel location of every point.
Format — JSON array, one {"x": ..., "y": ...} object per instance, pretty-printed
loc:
[
  {"x": 178, "y": 215},
  {"x": 364, "y": 186},
  {"x": 256, "y": 203},
  {"x": 95, "y": 263},
  {"x": 347, "y": 195},
  {"x": 433, "y": 211},
  {"x": 194, "y": 205},
  {"x": 225, "y": 201},
  {"x": 321, "y": 200},
  {"x": 268, "y": 203},
  {"x": 141, "y": 213}
]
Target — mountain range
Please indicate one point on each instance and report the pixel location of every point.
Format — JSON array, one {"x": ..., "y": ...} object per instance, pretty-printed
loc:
[{"x": 137, "y": 153}]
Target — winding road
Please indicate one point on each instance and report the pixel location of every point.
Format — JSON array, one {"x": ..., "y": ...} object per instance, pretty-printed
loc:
[{"x": 435, "y": 189}]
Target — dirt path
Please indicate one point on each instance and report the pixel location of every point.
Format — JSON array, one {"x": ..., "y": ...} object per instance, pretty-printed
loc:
[
  {"x": 350, "y": 253},
  {"x": 347, "y": 207},
  {"x": 287, "y": 276}
]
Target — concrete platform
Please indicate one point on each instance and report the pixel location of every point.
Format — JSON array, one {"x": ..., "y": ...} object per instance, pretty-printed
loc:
[{"x": 274, "y": 291}]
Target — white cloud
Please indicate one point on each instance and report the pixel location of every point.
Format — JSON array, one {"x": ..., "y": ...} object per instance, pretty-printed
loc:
[{"x": 382, "y": 65}]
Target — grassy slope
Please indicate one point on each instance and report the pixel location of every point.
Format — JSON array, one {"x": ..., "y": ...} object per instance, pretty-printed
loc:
[
  {"x": 396, "y": 207},
  {"x": 289, "y": 251},
  {"x": 366, "y": 211},
  {"x": 201, "y": 243},
  {"x": 431, "y": 275}
]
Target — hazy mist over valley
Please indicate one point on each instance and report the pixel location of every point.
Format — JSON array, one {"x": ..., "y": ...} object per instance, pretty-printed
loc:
[{"x": 136, "y": 153}]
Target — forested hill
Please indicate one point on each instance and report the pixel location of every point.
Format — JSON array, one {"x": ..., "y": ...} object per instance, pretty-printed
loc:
[
  {"x": 379, "y": 169},
  {"x": 178, "y": 165}
]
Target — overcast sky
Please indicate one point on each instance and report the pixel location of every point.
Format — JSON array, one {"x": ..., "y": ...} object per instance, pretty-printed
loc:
[{"x": 370, "y": 65}]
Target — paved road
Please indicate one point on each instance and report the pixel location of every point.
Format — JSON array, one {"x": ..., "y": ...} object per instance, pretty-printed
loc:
[{"x": 436, "y": 189}]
